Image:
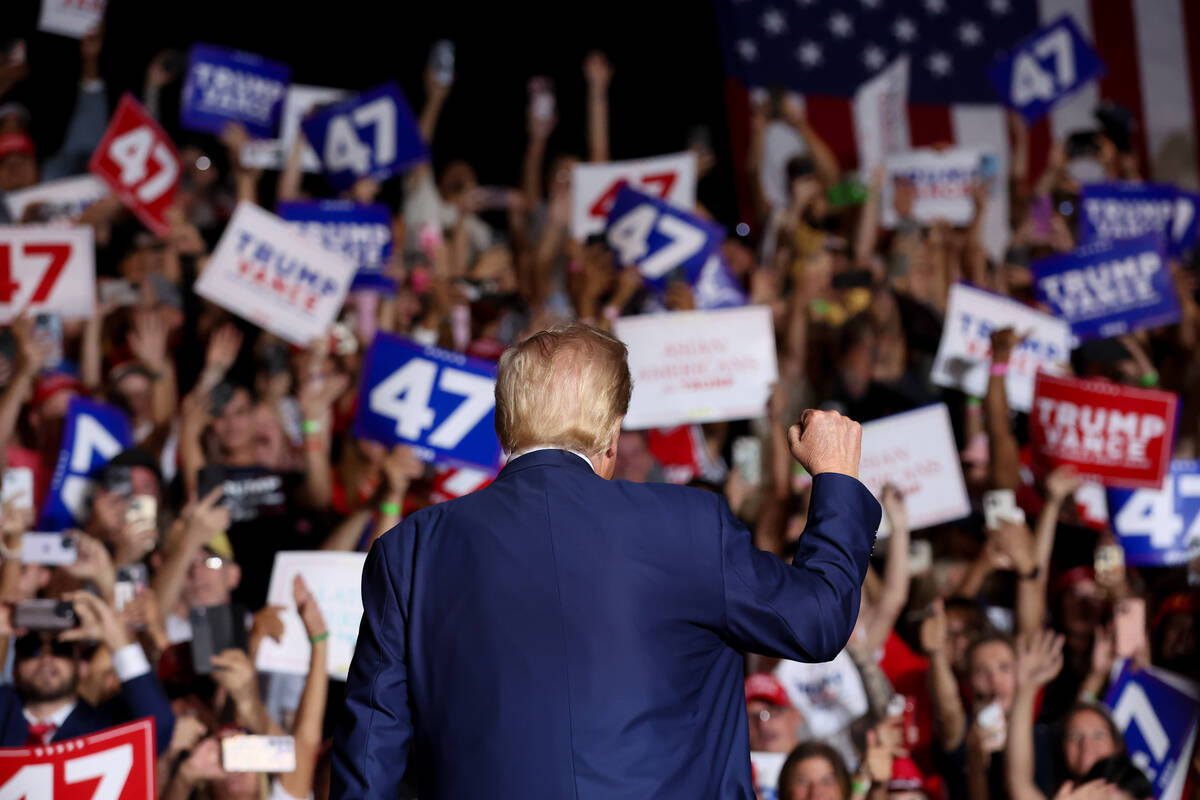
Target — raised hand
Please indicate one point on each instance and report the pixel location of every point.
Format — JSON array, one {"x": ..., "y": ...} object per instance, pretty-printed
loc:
[
  {"x": 597, "y": 69},
  {"x": 826, "y": 441},
  {"x": 1039, "y": 658},
  {"x": 892, "y": 500},
  {"x": 97, "y": 622},
  {"x": 306, "y": 606}
]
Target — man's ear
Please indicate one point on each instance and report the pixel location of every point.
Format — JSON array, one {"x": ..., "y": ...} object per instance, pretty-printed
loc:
[
  {"x": 611, "y": 452},
  {"x": 233, "y": 576}
]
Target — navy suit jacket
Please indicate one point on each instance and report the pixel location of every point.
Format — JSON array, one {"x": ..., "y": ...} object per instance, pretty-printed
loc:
[{"x": 557, "y": 635}]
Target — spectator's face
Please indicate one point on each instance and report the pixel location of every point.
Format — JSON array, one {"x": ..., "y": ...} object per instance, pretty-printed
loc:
[
  {"x": 210, "y": 580},
  {"x": 143, "y": 481},
  {"x": 134, "y": 390},
  {"x": 813, "y": 779},
  {"x": 1086, "y": 739},
  {"x": 49, "y": 674},
  {"x": 235, "y": 426},
  {"x": 17, "y": 171},
  {"x": 993, "y": 674},
  {"x": 634, "y": 460},
  {"x": 270, "y": 443},
  {"x": 773, "y": 729}
]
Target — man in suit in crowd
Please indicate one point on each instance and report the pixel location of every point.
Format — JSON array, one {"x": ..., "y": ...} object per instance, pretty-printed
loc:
[{"x": 562, "y": 635}]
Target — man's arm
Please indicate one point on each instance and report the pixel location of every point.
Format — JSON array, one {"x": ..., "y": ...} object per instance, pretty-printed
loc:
[{"x": 371, "y": 748}]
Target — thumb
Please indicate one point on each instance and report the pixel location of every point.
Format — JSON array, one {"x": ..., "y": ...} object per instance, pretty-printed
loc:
[{"x": 794, "y": 433}]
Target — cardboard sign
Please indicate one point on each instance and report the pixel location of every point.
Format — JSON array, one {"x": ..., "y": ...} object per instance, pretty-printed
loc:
[
  {"x": 881, "y": 116},
  {"x": 766, "y": 768},
  {"x": 48, "y": 269},
  {"x": 92, "y": 435},
  {"x": 1158, "y": 722},
  {"x": 1109, "y": 288},
  {"x": 1115, "y": 210},
  {"x": 1119, "y": 435},
  {"x": 699, "y": 366},
  {"x": 65, "y": 198},
  {"x": 594, "y": 187},
  {"x": 1160, "y": 527},
  {"x": 964, "y": 354},
  {"x": 1185, "y": 223},
  {"x": 335, "y": 579},
  {"x": 361, "y": 233},
  {"x": 829, "y": 696},
  {"x": 452, "y": 482},
  {"x": 942, "y": 179},
  {"x": 138, "y": 160},
  {"x": 287, "y": 284},
  {"x": 224, "y": 86},
  {"x": 372, "y": 135},
  {"x": 915, "y": 450},
  {"x": 1045, "y": 67},
  {"x": 249, "y": 492},
  {"x": 297, "y": 103},
  {"x": 716, "y": 287},
  {"x": 74, "y": 18},
  {"x": 114, "y": 764},
  {"x": 663, "y": 242},
  {"x": 440, "y": 402}
]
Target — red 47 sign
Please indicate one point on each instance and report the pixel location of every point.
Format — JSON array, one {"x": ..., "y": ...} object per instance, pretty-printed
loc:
[
  {"x": 44, "y": 268},
  {"x": 139, "y": 161},
  {"x": 595, "y": 186},
  {"x": 113, "y": 764}
]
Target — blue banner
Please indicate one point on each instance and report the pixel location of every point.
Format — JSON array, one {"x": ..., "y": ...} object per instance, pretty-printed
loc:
[
  {"x": 662, "y": 241},
  {"x": 362, "y": 233},
  {"x": 1044, "y": 67},
  {"x": 224, "y": 86},
  {"x": 1157, "y": 722},
  {"x": 1159, "y": 527},
  {"x": 1184, "y": 228},
  {"x": 1109, "y": 288},
  {"x": 92, "y": 435},
  {"x": 440, "y": 402},
  {"x": 716, "y": 287},
  {"x": 1115, "y": 210},
  {"x": 371, "y": 135}
]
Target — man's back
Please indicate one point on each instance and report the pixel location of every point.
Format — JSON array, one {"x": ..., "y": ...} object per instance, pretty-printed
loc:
[{"x": 559, "y": 635}]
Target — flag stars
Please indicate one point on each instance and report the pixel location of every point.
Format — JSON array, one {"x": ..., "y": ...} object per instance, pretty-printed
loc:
[
  {"x": 904, "y": 29},
  {"x": 809, "y": 54},
  {"x": 774, "y": 22},
  {"x": 935, "y": 6},
  {"x": 747, "y": 49},
  {"x": 871, "y": 4},
  {"x": 939, "y": 63},
  {"x": 999, "y": 7},
  {"x": 873, "y": 57},
  {"x": 969, "y": 34},
  {"x": 840, "y": 25}
]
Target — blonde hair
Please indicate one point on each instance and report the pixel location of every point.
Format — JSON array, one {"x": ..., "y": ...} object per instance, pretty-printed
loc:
[{"x": 567, "y": 386}]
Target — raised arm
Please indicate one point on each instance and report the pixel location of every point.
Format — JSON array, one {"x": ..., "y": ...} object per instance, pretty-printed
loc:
[
  {"x": 826, "y": 163},
  {"x": 306, "y": 732},
  {"x": 895, "y": 573},
  {"x": 1003, "y": 452},
  {"x": 598, "y": 72},
  {"x": 949, "y": 716},
  {"x": 1039, "y": 658}
]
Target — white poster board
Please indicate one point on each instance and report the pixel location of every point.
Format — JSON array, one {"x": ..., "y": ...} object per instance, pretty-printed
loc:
[
  {"x": 593, "y": 187},
  {"x": 943, "y": 179},
  {"x": 915, "y": 451},
  {"x": 74, "y": 18},
  {"x": 964, "y": 354},
  {"x": 51, "y": 269},
  {"x": 335, "y": 579},
  {"x": 699, "y": 366},
  {"x": 265, "y": 272},
  {"x": 65, "y": 198},
  {"x": 273, "y": 153},
  {"x": 881, "y": 116}
]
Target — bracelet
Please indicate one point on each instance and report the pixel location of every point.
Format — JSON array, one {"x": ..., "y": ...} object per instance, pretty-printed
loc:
[
  {"x": 312, "y": 426},
  {"x": 389, "y": 508},
  {"x": 1033, "y": 573},
  {"x": 1149, "y": 380},
  {"x": 860, "y": 786},
  {"x": 974, "y": 402},
  {"x": 998, "y": 369},
  {"x": 320, "y": 637}
]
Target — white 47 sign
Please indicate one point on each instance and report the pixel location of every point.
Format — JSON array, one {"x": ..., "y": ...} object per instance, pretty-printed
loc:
[{"x": 46, "y": 269}]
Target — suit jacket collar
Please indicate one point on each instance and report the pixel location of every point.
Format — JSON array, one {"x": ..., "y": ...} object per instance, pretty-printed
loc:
[{"x": 544, "y": 458}]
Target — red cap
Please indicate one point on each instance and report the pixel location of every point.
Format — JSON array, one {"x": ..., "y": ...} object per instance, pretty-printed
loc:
[
  {"x": 49, "y": 385},
  {"x": 765, "y": 686},
  {"x": 1072, "y": 578},
  {"x": 1178, "y": 603},
  {"x": 15, "y": 142},
  {"x": 906, "y": 776}
]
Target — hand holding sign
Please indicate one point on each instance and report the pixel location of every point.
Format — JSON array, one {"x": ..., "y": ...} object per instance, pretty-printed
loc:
[
  {"x": 1045, "y": 67},
  {"x": 139, "y": 161},
  {"x": 825, "y": 441},
  {"x": 659, "y": 239}
]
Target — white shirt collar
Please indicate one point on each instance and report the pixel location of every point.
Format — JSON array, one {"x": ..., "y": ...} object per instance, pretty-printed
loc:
[
  {"x": 57, "y": 718},
  {"x": 536, "y": 448}
]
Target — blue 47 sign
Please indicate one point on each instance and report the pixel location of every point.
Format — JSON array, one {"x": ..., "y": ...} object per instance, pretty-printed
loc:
[
  {"x": 1160, "y": 527},
  {"x": 659, "y": 239},
  {"x": 371, "y": 135},
  {"x": 1045, "y": 67},
  {"x": 362, "y": 233},
  {"x": 93, "y": 434},
  {"x": 1158, "y": 723},
  {"x": 440, "y": 402}
]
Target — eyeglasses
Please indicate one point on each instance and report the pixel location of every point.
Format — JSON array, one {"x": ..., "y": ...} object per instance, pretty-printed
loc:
[
  {"x": 767, "y": 714},
  {"x": 32, "y": 645}
]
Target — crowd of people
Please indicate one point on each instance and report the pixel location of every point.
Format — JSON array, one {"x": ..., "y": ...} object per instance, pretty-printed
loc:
[{"x": 981, "y": 656}]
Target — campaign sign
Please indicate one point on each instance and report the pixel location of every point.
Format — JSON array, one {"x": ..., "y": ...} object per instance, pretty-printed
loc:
[
  {"x": 74, "y": 18},
  {"x": 1045, "y": 67},
  {"x": 93, "y": 434},
  {"x": 1185, "y": 222},
  {"x": 440, "y": 402},
  {"x": 297, "y": 103},
  {"x": 915, "y": 451},
  {"x": 45, "y": 268},
  {"x": 594, "y": 187},
  {"x": 138, "y": 160},
  {"x": 766, "y": 768},
  {"x": 1117, "y": 210},
  {"x": 224, "y": 86},
  {"x": 699, "y": 366},
  {"x": 335, "y": 580},
  {"x": 287, "y": 284},
  {"x": 943, "y": 182},
  {"x": 361, "y": 233},
  {"x": 965, "y": 352},
  {"x": 663, "y": 242},
  {"x": 116, "y": 763},
  {"x": 716, "y": 287},
  {"x": 1160, "y": 527},
  {"x": 1158, "y": 724},
  {"x": 829, "y": 696},
  {"x": 1119, "y": 435},
  {"x": 65, "y": 198},
  {"x": 1106, "y": 289},
  {"x": 881, "y": 115},
  {"x": 371, "y": 135}
]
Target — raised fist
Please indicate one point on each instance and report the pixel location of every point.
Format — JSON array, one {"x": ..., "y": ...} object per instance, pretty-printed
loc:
[{"x": 825, "y": 441}]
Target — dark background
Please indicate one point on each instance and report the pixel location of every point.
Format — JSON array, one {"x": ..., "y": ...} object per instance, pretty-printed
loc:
[{"x": 668, "y": 73}]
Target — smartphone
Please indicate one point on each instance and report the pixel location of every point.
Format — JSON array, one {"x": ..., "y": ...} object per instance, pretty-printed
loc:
[
  {"x": 747, "y": 459},
  {"x": 1082, "y": 144},
  {"x": 45, "y": 615},
  {"x": 1086, "y": 170},
  {"x": 248, "y": 753},
  {"x": 1129, "y": 626},
  {"x": 987, "y": 167},
  {"x": 18, "y": 488},
  {"x": 441, "y": 61},
  {"x": 541, "y": 97},
  {"x": 48, "y": 329},
  {"x": 131, "y": 580},
  {"x": 214, "y": 630},
  {"x": 920, "y": 556},
  {"x": 210, "y": 477},
  {"x": 991, "y": 722},
  {"x": 142, "y": 512},
  {"x": 51, "y": 549},
  {"x": 118, "y": 292},
  {"x": 342, "y": 337},
  {"x": 1001, "y": 505},
  {"x": 1109, "y": 558}
]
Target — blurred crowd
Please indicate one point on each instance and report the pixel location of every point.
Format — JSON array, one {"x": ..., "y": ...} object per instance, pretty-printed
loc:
[{"x": 981, "y": 657}]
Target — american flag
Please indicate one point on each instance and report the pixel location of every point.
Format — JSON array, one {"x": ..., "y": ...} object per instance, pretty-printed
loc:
[{"x": 825, "y": 49}]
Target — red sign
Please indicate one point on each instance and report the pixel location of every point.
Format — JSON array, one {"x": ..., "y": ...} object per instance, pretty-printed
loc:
[
  {"x": 139, "y": 161},
  {"x": 1119, "y": 435},
  {"x": 113, "y": 764}
]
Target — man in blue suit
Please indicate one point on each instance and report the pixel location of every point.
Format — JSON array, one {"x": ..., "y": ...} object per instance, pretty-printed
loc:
[{"x": 562, "y": 635}]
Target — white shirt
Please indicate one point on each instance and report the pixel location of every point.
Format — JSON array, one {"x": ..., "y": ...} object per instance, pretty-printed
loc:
[
  {"x": 128, "y": 662},
  {"x": 536, "y": 448}
]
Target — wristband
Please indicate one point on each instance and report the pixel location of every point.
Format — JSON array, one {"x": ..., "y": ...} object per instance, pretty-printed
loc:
[
  {"x": 312, "y": 426},
  {"x": 1033, "y": 573},
  {"x": 320, "y": 637},
  {"x": 998, "y": 369},
  {"x": 974, "y": 402},
  {"x": 389, "y": 508},
  {"x": 860, "y": 786},
  {"x": 1149, "y": 380}
]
